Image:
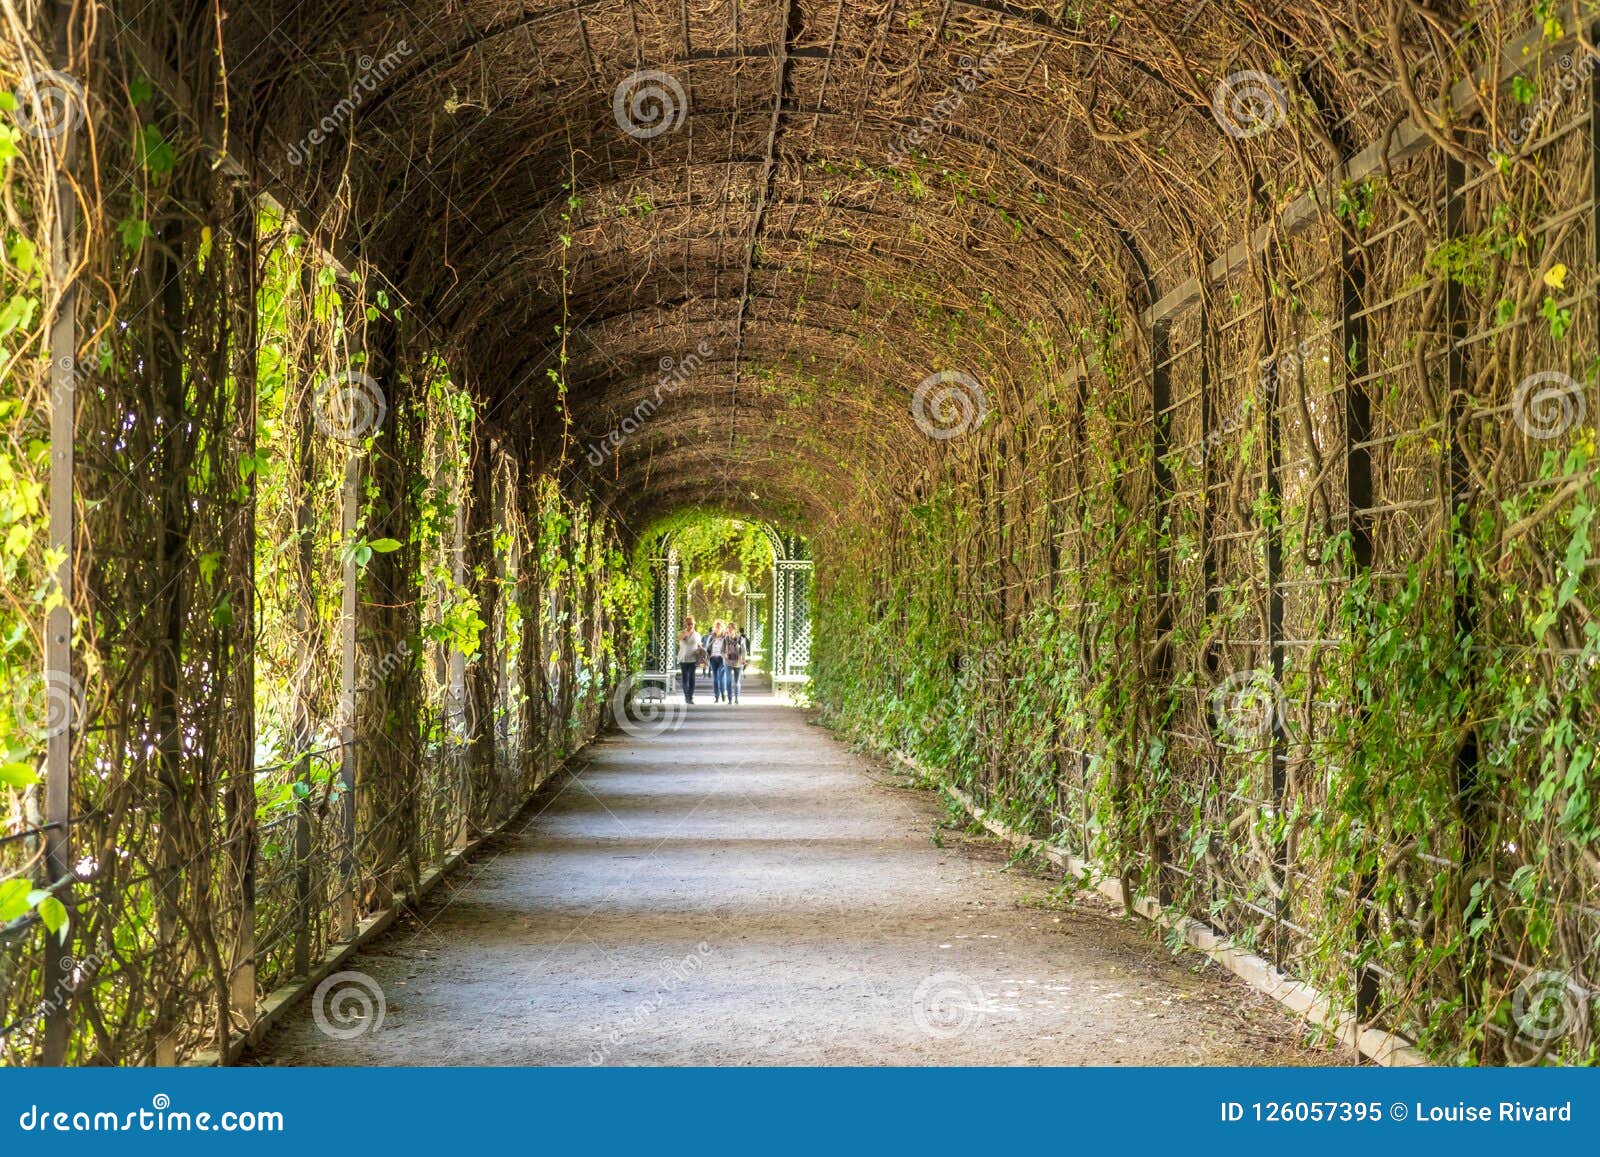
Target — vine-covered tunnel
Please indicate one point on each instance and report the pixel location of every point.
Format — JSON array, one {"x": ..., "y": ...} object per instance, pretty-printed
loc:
[{"x": 1170, "y": 425}]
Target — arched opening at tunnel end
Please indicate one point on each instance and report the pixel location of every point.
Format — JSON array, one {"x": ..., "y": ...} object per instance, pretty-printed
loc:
[{"x": 718, "y": 568}]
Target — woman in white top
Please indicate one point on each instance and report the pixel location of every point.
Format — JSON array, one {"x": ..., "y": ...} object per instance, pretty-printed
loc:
[
  {"x": 689, "y": 653},
  {"x": 719, "y": 676}
]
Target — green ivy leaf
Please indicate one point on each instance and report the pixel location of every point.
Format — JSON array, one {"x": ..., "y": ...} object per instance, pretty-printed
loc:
[
  {"x": 133, "y": 231},
  {"x": 13, "y": 899},
  {"x": 18, "y": 775},
  {"x": 153, "y": 151},
  {"x": 52, "y": 913}
]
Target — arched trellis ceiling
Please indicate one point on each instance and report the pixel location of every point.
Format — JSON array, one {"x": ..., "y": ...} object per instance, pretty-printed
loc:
[
  {"x": 661, "y": 532},
  {"x": 780, "y": 466},
  {"x": 1073, "y": 164}
]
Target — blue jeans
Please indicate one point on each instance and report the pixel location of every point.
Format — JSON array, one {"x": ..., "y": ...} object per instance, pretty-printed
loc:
[
  {"x": 687, "y": 671},
  {"x": 734, "y": 675},
  {"x": 719, "y": 678}
]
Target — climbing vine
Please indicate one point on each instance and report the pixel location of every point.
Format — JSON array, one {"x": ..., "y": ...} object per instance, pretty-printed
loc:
[{"x": 1333, "y": 693}]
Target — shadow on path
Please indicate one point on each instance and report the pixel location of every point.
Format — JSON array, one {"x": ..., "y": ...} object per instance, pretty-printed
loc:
[{"x": 745, "y": 890}]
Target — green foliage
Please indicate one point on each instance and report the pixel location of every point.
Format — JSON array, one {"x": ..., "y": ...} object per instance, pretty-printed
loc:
[
  {"x": 720, "y": 558},
  {"x": 1355, "y": 203},
  {"x": 26, "y": 562},
  {"x": 1432, "y": 865}
]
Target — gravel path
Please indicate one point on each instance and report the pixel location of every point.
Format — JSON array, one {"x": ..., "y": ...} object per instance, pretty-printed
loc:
[{"x": 745, "y": 890}]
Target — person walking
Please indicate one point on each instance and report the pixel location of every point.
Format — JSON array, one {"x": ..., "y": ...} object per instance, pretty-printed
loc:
[
  {"x": 719, "y": 673},
  {"x": 734, "y": 649},
  {"x": 691, "y": 650}
]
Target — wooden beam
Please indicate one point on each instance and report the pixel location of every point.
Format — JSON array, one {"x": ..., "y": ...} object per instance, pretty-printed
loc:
[
  {"x": 60, "y": 698},
  {"x": 768, "y": 173},
  {"x": 347, "y": 699},
  {"x": 1405, "y": 143}
]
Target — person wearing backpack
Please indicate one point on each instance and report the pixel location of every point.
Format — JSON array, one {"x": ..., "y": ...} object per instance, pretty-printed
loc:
[
  {"x": 734, "y": 648},
  {"x": 690, "y": 652},
  {"x": 719, "y": 675}
]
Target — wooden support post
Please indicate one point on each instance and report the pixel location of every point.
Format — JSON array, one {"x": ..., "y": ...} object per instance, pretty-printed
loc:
[
  {"x": 1208, "y": 420},
  {"x": 1272, "y": 561},
  {"x": 482, "y": 568},
  {"x": 1458, "y": 504},
  {"x": 1080, "y": 431},
  {"x": 513, "y": 675},
  {"x": 1357, "y": 409},
  {"x": 61, "y": 695},
  {"x": 302, "y": 859},
  {"x": 456, "y": 692},
  {"x": 1211, "y": 659},
  {"x": 507, "y": 572},
  {"x": 1352, "y": 337},
  {"x": 305, "y": 557},
  {"x": 456, "y": 718},
  {"x": 530, "y": 595},
  {"x": 240, "y": 795},
  {"x": 174, "y": 796},
  {"x": 1458, "y": 494},
  {"x": 347, "y": 701},
  {"x": 1161, "y": 667}
]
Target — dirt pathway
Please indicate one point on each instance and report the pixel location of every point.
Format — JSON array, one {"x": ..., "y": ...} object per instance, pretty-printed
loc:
[{"x": 745, "y": 890}]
